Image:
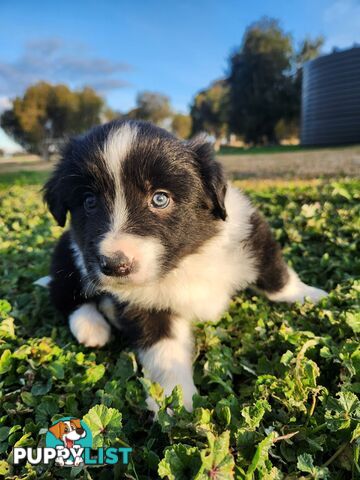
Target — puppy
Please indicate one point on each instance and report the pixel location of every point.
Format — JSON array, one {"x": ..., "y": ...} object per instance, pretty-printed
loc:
[{"x": 157, "y": 239}]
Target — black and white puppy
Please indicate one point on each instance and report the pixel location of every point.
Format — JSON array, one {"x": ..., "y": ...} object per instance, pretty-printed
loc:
[{"x": 157, "y": 239}]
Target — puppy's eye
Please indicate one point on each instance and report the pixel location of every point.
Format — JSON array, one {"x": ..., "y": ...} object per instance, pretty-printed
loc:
[
  {"x": 90, "y": 203},
  {"x": 160, "y": 200}
]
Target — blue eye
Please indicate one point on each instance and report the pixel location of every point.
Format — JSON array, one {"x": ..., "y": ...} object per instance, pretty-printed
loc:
[{"x": 160, "y": 200}]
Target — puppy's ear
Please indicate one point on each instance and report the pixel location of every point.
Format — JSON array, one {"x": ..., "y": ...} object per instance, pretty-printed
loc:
[
  {"x": 211, "y": 173},
  {"x": 57, "y": 430},
  {"x": 76, "y": 422},
  {"x": 55, "y": 198}
]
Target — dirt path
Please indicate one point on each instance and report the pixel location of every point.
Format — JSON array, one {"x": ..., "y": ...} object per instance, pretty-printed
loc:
[{"x": 305, "y": 164}]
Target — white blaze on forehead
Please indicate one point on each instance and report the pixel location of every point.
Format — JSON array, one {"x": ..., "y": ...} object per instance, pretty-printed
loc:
[{"x": 117, "y": 146}]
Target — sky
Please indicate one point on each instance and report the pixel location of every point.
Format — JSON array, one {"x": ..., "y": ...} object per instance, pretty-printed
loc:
[{"x": 176, "y": 47}]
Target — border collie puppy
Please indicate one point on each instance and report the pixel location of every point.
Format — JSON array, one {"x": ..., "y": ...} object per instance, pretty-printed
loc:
[{"x": 157, "y": 239}]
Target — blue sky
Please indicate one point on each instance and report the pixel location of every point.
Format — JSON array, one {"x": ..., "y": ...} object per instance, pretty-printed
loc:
[{"x": 123, "y": 47}]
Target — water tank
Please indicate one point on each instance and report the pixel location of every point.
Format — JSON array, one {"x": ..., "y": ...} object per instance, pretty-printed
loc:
[{"x": 330, "y": 110}]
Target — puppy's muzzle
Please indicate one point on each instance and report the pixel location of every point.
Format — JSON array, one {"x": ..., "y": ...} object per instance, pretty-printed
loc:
[{"x": 117, "y": 266}]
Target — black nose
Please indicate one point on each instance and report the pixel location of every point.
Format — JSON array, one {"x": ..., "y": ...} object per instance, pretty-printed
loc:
[
  {"x": 80, "y": 431},
  {"x": 117, "y": 266}
]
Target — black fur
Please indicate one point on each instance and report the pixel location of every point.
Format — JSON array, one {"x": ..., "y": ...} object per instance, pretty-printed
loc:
[
  {"x": 273, "y": 272},
  {"x": 143, "y": 328},
  {"x": 68, "y": 290}
]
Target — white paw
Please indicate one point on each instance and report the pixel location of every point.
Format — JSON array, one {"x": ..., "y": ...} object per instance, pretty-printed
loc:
[
  {"x": 78, "y": 461},
  {"x": 89, "y": 327},
  {"x": 312, "y": 293},
  {"x": 187, "y": 400},
  {"x": 152, "y": 405},
  {"x": 297, "y": 291},
  {"x": 59, "y": 462}
]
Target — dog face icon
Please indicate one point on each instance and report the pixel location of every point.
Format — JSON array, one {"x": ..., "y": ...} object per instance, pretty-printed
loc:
[
  {"x": 68, "y": 442},
  {"x": 68, "y": 431}
]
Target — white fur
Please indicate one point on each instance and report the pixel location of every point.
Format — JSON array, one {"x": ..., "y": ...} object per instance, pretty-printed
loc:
[
  {"x": 118, "y": 145},
  {"x": 43, "y": 281},
  {"x": 107, "y": 307},
  {"x": 296, "y": 291},
  {"x": 202, "y": 284},
  {"x": 78, "y": 258},
  {"x": 169, "y": 363},
  {"x": 89, "y": 327}
]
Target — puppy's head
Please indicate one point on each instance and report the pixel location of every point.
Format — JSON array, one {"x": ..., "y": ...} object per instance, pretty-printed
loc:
[
  {"x": 68, "y": 431},
  {"x": 140, "y": 200}
]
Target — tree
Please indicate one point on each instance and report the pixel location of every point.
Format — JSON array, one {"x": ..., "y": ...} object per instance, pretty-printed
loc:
[
  {"x": 181, "y": 125},
  {"x": 258, "y": 80},
  {"x": 151, "y": 106},
  {"x": 48, "y": 113},
  {"x": 308, "y": 50},
  {"x": 209, "y": 110}
]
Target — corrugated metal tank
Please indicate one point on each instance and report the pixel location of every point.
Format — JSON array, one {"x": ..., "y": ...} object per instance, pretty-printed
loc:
[{"x": 330, "y": 110}]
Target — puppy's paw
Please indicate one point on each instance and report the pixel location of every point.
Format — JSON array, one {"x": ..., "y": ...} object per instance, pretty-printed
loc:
[
  {"x": 312, "y": 293},
  {"x": 188, "y": 393},
  {"x": 59, "y": 461},
  {"x": 89, "y": 327},
  {"x": 297, "y": 291},
  {"x": 78, "y": 461}
]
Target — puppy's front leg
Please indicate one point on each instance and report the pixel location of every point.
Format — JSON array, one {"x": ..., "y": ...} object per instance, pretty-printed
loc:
[
  {"x": 168, "y": 361},
  {"x": 89, "y": 327},
  {"x": 278, "y": 281}
]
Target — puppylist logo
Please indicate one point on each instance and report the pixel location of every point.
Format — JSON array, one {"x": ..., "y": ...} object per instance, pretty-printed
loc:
[{"x": 69, "y": 442}]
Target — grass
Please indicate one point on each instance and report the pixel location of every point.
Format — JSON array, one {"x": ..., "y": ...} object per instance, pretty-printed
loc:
[
  {"x": 225, "y": 150},
  {"x": 24, "y": 178},
  {"x": 278, "y": 385}
]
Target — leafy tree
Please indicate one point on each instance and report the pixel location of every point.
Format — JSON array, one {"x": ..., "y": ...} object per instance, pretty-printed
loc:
[
  {"x": 48, "y": 113},
  {"x": 151, "y": 106},
  {"x": 265, "y": 81},
  {"x": 89, "y": 109},
  {"x": 181, "y": 125},
  {"x": 258, "y": 80},
  {"x": 209, "y": 109},
  {"x": 309, "y": 49}
]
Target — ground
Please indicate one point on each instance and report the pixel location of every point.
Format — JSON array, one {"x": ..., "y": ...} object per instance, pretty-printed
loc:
[
  {"x": 278, "y": 385},
  {"x": 258, "y": 162}
]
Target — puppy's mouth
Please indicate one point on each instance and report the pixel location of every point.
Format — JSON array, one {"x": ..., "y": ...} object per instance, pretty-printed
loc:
[{"x": 69, "y": 443}]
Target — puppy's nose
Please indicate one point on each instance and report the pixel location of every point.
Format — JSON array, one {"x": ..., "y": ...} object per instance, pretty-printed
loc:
[
  {"x": 80, "y": 431},
  {"x": 117, "y": 266}
]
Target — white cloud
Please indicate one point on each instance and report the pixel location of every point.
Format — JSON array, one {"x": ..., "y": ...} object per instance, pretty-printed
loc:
[
  {"x": 5, "y": 103},
  {"x": 50, "y": 59},
  {"x": 342, "y": 21}
]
